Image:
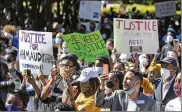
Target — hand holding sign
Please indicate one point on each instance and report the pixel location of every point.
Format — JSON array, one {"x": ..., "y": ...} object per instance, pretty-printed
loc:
[
  {"x": 31, "y": 80},
  {"x": 35, "y": 49},
  {"x": 40, "y": 74},
  {"x": 86, "y": 46}
]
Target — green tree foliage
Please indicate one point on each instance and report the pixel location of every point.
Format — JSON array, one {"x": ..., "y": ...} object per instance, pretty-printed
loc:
[{"x": 37, "y": 14}]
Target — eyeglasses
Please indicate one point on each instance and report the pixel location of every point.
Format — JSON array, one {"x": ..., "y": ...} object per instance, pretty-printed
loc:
[{"x": 65, "y": 65}]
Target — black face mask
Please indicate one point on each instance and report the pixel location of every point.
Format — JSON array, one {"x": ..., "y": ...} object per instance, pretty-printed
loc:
[{"x": 109, "y": 84}]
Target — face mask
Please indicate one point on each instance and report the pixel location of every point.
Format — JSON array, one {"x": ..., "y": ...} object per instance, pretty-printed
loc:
[
  {"x": 110, "y": 47},
  {"x": 62, "y": 30},
  {"x": 8, "y": 35},
  {"x": 100, "y": 70},
  {"x": 165, "y": 73},
  {"x": 169, "y": 38},
  {"x": 144, "y": 62},
  {"x": 13, "y": 74},
  {"x": 130, "y": 91},
  {"x": 66, "y": 73},
  {"x": 104, "y": 36},
  {"x": 58, "y": 40},
  {"x": 12, "y": 107},
  {"x": 177, "y": 89},
  {"x": 11, "y": 65},
  {"x": 171, "y": 54}
]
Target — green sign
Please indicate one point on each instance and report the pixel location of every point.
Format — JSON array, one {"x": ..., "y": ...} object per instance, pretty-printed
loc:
[{"x": 86, "y": 46}]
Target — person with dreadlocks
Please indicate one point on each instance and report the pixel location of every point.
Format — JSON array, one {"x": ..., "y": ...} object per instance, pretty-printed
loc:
[{"x": 89, "y": 84}]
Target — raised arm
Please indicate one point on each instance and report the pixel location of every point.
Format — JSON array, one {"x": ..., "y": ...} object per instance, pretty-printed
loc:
[
  {"x": 31, "y": 80},
  {"x": 156, "y": 56},
  {"x": 47, "y": 89},
  {"x": 41, "y": 78}
]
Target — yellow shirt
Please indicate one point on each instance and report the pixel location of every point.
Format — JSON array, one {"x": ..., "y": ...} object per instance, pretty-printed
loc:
[
  {"x": 86, "y": 104},
  {"x": 148, "y": 88}
]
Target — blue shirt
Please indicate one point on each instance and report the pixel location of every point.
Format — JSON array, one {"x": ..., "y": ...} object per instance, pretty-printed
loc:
[
  {"x": 16, "y": 41},
  {"x": 179, "y": 37}
]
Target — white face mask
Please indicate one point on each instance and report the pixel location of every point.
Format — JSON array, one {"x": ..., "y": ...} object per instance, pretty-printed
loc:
[
  {"x": 58, "y": 40},
  {"x": 8, "y": 35},
  {"x": 100, "y": 70},
  {"x": 62, "y": 30},
  {"x": 169, "y": 38},
  {"x": 104, "y": 36},
  {"x": 144, "y": 62},
  {"x": 130, "y": 91},
  {"x": 171, "y": 54},
  {"x": 165, "y": 73}
]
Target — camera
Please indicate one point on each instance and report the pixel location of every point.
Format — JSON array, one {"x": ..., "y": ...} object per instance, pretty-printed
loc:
[
  {"x": 109, "y": 84},
  {"x": 11, "y": 56}
]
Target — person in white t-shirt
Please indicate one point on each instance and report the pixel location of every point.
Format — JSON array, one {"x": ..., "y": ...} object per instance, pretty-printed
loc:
[{"x": 175, "y": 104}]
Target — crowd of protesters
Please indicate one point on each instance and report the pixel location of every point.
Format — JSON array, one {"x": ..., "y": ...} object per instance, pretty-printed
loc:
[{"x": 145, "y": 82}]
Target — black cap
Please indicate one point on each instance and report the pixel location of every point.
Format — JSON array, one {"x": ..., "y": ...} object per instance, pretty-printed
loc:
[{"x": 168, "y": 60}]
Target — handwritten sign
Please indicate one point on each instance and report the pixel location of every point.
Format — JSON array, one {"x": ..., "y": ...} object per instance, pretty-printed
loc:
[
  {"x": 164, "y": 9},
  {"x": 35, "y": 51},
  {"x": 132, "y": 35},
  {"x": 90, "y": 10},
  {"x": 86, "y": 46}
]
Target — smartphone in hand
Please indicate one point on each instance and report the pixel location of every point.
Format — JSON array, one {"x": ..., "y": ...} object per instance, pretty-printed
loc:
[
  {"x": 54, "y": 65},
  {"x": 105, "y": 69},
  {"x": 27, "y": 72}
]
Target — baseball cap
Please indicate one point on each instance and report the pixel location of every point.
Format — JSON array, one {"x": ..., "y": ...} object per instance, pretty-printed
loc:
[
  {"x": 88, "y": 73},
  {"x": 171, "y": 30},
  {"x": 168, "y": 60}
]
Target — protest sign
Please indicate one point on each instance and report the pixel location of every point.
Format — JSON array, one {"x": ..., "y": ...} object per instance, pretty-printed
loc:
[
  {"x": 132, "y": 35},
  {"x": 90, "y": 10},
  {"x": 35, "y": 51},
  {"x": 163, "y": 9},
  {"x": 86, "y": 46}
]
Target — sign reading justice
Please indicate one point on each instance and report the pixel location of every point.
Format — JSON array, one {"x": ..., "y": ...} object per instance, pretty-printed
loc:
[
  {"x": 35, "y": 51},
  {"x": 132, "y": 35},
  {"x": 86, "y": 46}
]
